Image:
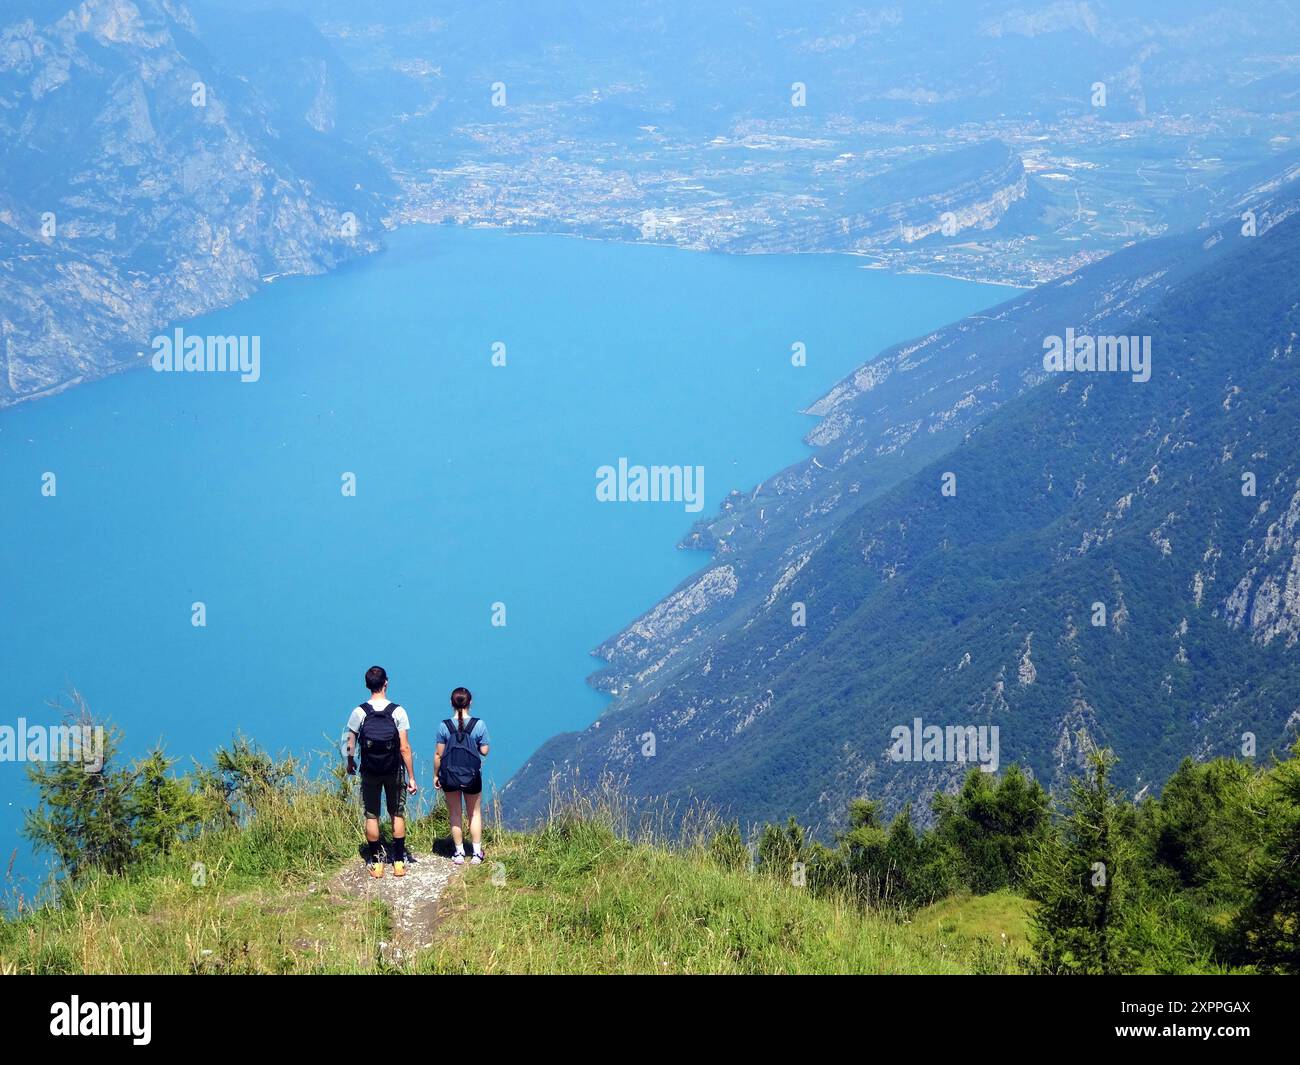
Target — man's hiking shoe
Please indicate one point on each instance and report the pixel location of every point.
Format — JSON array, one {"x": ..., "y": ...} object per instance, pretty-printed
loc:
[
  {"x": 476, "y": 860},
  {"x": 458, "y": 858},
  {"x": 399, "y": 869},
  {"x": 377, "y": 870}
]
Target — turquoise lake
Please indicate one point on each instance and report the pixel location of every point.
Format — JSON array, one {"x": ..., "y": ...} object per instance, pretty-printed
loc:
[{"x": 475, "y": 485}]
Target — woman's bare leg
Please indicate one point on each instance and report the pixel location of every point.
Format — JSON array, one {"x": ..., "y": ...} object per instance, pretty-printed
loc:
[
  {"x": 475, "y": 820},
  {"x": 453, "y": 815}
]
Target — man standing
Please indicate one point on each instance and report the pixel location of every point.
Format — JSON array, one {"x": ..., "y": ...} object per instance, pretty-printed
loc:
[{"x": 379, "y": 728}]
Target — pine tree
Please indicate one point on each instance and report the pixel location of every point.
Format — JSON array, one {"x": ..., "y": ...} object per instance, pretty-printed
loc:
[
  {"x": 1270, "y": 923},
  {"x": 727, "y": 847},
  {"x": 101, "y": 817},
  {"x": 83, "y": 817},
  {"x": 992, "y": 825},
  {"x": 1080, "y": 876},
  {"x": 780, "y": 848},
  {"x": 163, "y": 808}
]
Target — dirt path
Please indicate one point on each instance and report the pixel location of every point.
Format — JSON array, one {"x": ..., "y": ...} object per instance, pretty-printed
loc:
[{"x": 412, "y": 900}]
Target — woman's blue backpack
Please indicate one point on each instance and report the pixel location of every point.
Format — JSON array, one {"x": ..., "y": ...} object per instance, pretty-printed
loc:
[{"x": 461, "y": 762}]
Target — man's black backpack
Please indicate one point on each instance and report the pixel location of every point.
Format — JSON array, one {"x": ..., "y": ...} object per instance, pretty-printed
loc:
[
  {"x": 377, "y": 738},
  {"x": 461, "y": 762}
]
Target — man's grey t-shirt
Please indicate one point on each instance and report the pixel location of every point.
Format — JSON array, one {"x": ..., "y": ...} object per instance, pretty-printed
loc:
[{"x": 400, "y": 717}]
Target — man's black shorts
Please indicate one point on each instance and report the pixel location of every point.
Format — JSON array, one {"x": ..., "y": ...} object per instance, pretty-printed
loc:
[{"x": 393, "y": 788}]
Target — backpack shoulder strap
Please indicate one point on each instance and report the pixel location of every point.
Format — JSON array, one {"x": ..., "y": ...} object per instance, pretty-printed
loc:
[
  {"x": 366, "y": 709},
  {"x": 451, "y": 726},
  {"x": 388, "y": 710},
  {"x": 470, "y": 726}
]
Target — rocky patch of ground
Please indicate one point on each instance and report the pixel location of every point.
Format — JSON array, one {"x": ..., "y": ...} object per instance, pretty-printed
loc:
[{"x": 412, "y": 900}]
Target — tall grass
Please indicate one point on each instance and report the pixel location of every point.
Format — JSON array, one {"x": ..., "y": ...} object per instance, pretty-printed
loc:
[{"x": 605, "y": 887}]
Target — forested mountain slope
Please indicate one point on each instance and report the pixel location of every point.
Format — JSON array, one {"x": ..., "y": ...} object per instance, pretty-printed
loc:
[{"x": 978, "y": 608}]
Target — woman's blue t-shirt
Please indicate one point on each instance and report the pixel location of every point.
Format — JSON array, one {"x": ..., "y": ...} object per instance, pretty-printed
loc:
[{"x": 479, "y": 735}]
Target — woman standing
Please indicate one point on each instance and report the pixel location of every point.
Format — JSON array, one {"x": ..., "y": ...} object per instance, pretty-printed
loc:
[{"x": 458, "y": 771}]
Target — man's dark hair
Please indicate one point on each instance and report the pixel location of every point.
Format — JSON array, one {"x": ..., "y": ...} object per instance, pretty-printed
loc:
[{"x": 376, "y": 678}]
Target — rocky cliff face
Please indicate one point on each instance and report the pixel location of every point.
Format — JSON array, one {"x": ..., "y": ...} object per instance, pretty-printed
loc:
[
  {"x": 954, "y": 193},
  {"x": 1266, "y": 601},
  {"x": 147, "y": 182}
]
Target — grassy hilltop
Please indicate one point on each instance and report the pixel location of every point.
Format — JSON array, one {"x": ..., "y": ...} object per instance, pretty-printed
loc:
[
  {"x": 577, "y": 896},
  {"x": 252, "y": 866}
]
